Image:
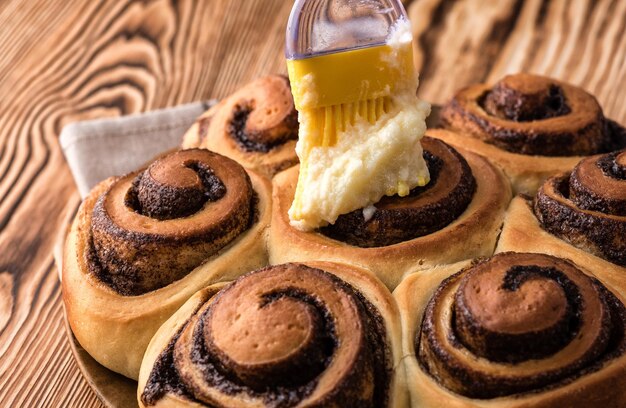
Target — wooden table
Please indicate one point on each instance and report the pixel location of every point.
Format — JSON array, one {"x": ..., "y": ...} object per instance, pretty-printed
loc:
[{"x": 64, "y": 61}]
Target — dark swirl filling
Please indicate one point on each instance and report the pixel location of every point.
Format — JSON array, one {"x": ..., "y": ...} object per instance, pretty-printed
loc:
[
  {"x": 507, "y": 100},
  {"x": 155, "y": 198},
  {"x": 587, "y": 208},
  {"x": 279, "y": 336},
  {"x": 484, "y": 324},
  {"x": 534, "y": 115},
  {"x": 614, "y": 165},
  {"x": 264, "y": 116},
  {"x": 425, "y": 210},
  {"x": 153, "y": 227}
]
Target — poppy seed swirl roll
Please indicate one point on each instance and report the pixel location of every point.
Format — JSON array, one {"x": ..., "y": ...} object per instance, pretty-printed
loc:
[
  {"x": 152, "y": 227},
  {"x": 283, "y": 336},
  {"x": 257, "y": 126},
  {"x": 533, "y": 127},
  {"x": 460, "y": 209},
  {"x": 142, "y": 244},
  {"x": 533, "y": 115},
  {"x": 515, "y": 330},
  {"x": 587, "y": 207}
]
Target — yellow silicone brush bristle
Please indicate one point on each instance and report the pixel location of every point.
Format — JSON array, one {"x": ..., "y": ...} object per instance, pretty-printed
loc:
[
  {"x": 330, "y": 121},
  {"x": 334, "y": 91}
]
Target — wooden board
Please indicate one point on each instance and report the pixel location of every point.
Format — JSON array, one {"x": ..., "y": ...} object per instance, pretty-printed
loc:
[{"x": 64, "y": 61}]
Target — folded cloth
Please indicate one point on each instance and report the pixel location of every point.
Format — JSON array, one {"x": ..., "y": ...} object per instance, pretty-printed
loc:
[{"x": 100, "y": 148}]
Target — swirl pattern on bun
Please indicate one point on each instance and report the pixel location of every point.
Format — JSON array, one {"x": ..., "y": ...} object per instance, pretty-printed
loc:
[
  {"x": 517, "y": 323},
  {"x": 533, "y": 115},
  {"x": 152, "y": 227},
  {"x": 515, "y": 330},
  {"x": 533, "y": 127},
  {"x": 461, "y": 208},
  {"x": 256, "y": 126},
  {"x": 587, "y": 207},
  {"x": 286, "y": 335},
  {"x": 143, "y": 243}
]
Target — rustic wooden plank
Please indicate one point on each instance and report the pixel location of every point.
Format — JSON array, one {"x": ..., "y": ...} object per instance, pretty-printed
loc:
[
  {"x": 65, "y": 61},
  {"x": 579, "y": 41}
]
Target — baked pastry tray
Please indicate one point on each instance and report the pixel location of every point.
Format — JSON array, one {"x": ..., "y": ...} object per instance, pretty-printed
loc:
[{"x": 530, "y": 239}]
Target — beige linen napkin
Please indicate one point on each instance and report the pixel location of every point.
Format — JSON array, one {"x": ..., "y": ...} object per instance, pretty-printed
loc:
[{"x": 100, "y": 148}]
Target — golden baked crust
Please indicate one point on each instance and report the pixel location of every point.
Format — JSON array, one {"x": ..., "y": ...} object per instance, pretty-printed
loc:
[
  {"x": 531, "y": 126},
  {"x": 472, "y": 234},
  {"x": 602, "y": 386},
  {"x": 114, "y": 328},
  {"x": 151, "y": 227},
  {"x": 361, "y": 282},
  {"x": 256, "y": 126}
]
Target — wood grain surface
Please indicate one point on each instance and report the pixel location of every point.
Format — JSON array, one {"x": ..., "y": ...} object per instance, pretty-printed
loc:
[{"x": 64, "y": 61}]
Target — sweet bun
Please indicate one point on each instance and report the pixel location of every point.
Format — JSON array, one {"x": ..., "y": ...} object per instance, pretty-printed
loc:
[
  {"x": 531, "y": 126},
  {"x": 257, "y": 126},
  {"x": 315, "y": 334},
  {"x": 514, "y": 330},
  {"x": 143, "y": 243}
]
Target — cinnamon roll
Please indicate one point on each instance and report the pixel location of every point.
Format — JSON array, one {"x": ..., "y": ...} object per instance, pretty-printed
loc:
[
  {"x": 257, "y": 126},
  {"x": 532, "y": 126},
  {"x": 588, "y": 207},
  {"x": 515, "y": 330},
  {"x": 143, "y": 243},
  {"x": 580, "y": 215},
  {"x": 461, "y": 210},
  {"x": 316, "y": 334}
]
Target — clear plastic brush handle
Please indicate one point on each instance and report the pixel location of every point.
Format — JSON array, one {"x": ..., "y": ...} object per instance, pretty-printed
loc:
[{"x": 319, "y": 27}]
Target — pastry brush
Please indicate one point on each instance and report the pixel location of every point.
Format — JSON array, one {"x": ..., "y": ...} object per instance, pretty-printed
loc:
[
  {"x": 350, "y": 65},
  {"x": 341, "y": 63}
]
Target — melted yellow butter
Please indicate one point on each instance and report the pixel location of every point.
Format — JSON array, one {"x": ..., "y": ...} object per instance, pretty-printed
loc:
[{"x": 367, "y": 162}]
